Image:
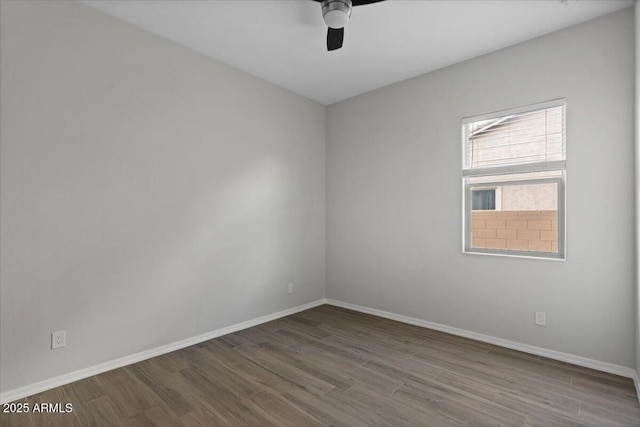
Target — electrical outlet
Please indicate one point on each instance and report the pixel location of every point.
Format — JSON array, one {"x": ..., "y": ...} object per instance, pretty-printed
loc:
[
  {"x": 58, "y": 339},
  {"x": 290, "y": 288},
  {"x": 541, "y": 318}
]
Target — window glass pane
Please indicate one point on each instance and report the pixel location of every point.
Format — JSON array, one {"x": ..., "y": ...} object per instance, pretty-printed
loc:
[
  {"x": 525, "y": 219},
  {"x": 483, "y": 200},
  {"x": 515, "y": 139}
]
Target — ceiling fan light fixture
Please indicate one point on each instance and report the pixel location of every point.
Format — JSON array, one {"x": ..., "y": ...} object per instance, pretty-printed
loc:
[{"x": 336, "y": 13}]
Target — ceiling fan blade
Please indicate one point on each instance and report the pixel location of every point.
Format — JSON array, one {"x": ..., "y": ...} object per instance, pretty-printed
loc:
[
  {"x": 335, "y": 36},
  {"x": 363, "y": 2}
]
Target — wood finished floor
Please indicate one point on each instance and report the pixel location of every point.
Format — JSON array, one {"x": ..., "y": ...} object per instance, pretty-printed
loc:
[{"x": 330, "y": 366}]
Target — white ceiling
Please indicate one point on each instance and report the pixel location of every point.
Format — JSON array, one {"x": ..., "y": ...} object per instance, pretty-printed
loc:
[{"x": 284, "y": 41}]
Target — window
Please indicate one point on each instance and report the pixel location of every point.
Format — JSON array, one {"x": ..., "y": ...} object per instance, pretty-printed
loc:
[
  {"x": 483, "y": 200},
  {"x": 513, "y": 176}
]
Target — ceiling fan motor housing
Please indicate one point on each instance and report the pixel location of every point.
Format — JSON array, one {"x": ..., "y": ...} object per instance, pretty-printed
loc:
[{"x": 336, "y": 13}]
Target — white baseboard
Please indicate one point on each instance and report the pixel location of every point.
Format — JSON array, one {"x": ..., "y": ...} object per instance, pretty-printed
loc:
[
  {"x": 41, "y": 386},
  {"x": 551, "y": 354}
]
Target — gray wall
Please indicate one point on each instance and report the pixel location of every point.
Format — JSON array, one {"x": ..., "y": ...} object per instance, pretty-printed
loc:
[
  {"x": 637, "y": 28},
  {"x": 394, "y": 196},
  {"x": 148, "y": 193}
]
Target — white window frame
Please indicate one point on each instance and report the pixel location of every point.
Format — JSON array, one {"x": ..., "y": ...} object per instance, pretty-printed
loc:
[{"x": 560, "y": 181}]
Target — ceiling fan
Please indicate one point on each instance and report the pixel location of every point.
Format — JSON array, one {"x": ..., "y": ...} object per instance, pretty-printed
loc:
[{"x": 336, "y": 15}]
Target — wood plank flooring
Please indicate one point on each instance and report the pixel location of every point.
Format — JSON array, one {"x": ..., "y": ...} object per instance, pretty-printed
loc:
[{"x": 333, "y": 367}]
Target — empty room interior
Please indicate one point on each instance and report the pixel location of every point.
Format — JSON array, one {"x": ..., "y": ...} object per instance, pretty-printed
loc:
[{"x": 319, "y": 213}]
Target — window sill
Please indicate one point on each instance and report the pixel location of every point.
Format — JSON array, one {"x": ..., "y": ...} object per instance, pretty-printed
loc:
[{"x": 528, "y": 255}]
